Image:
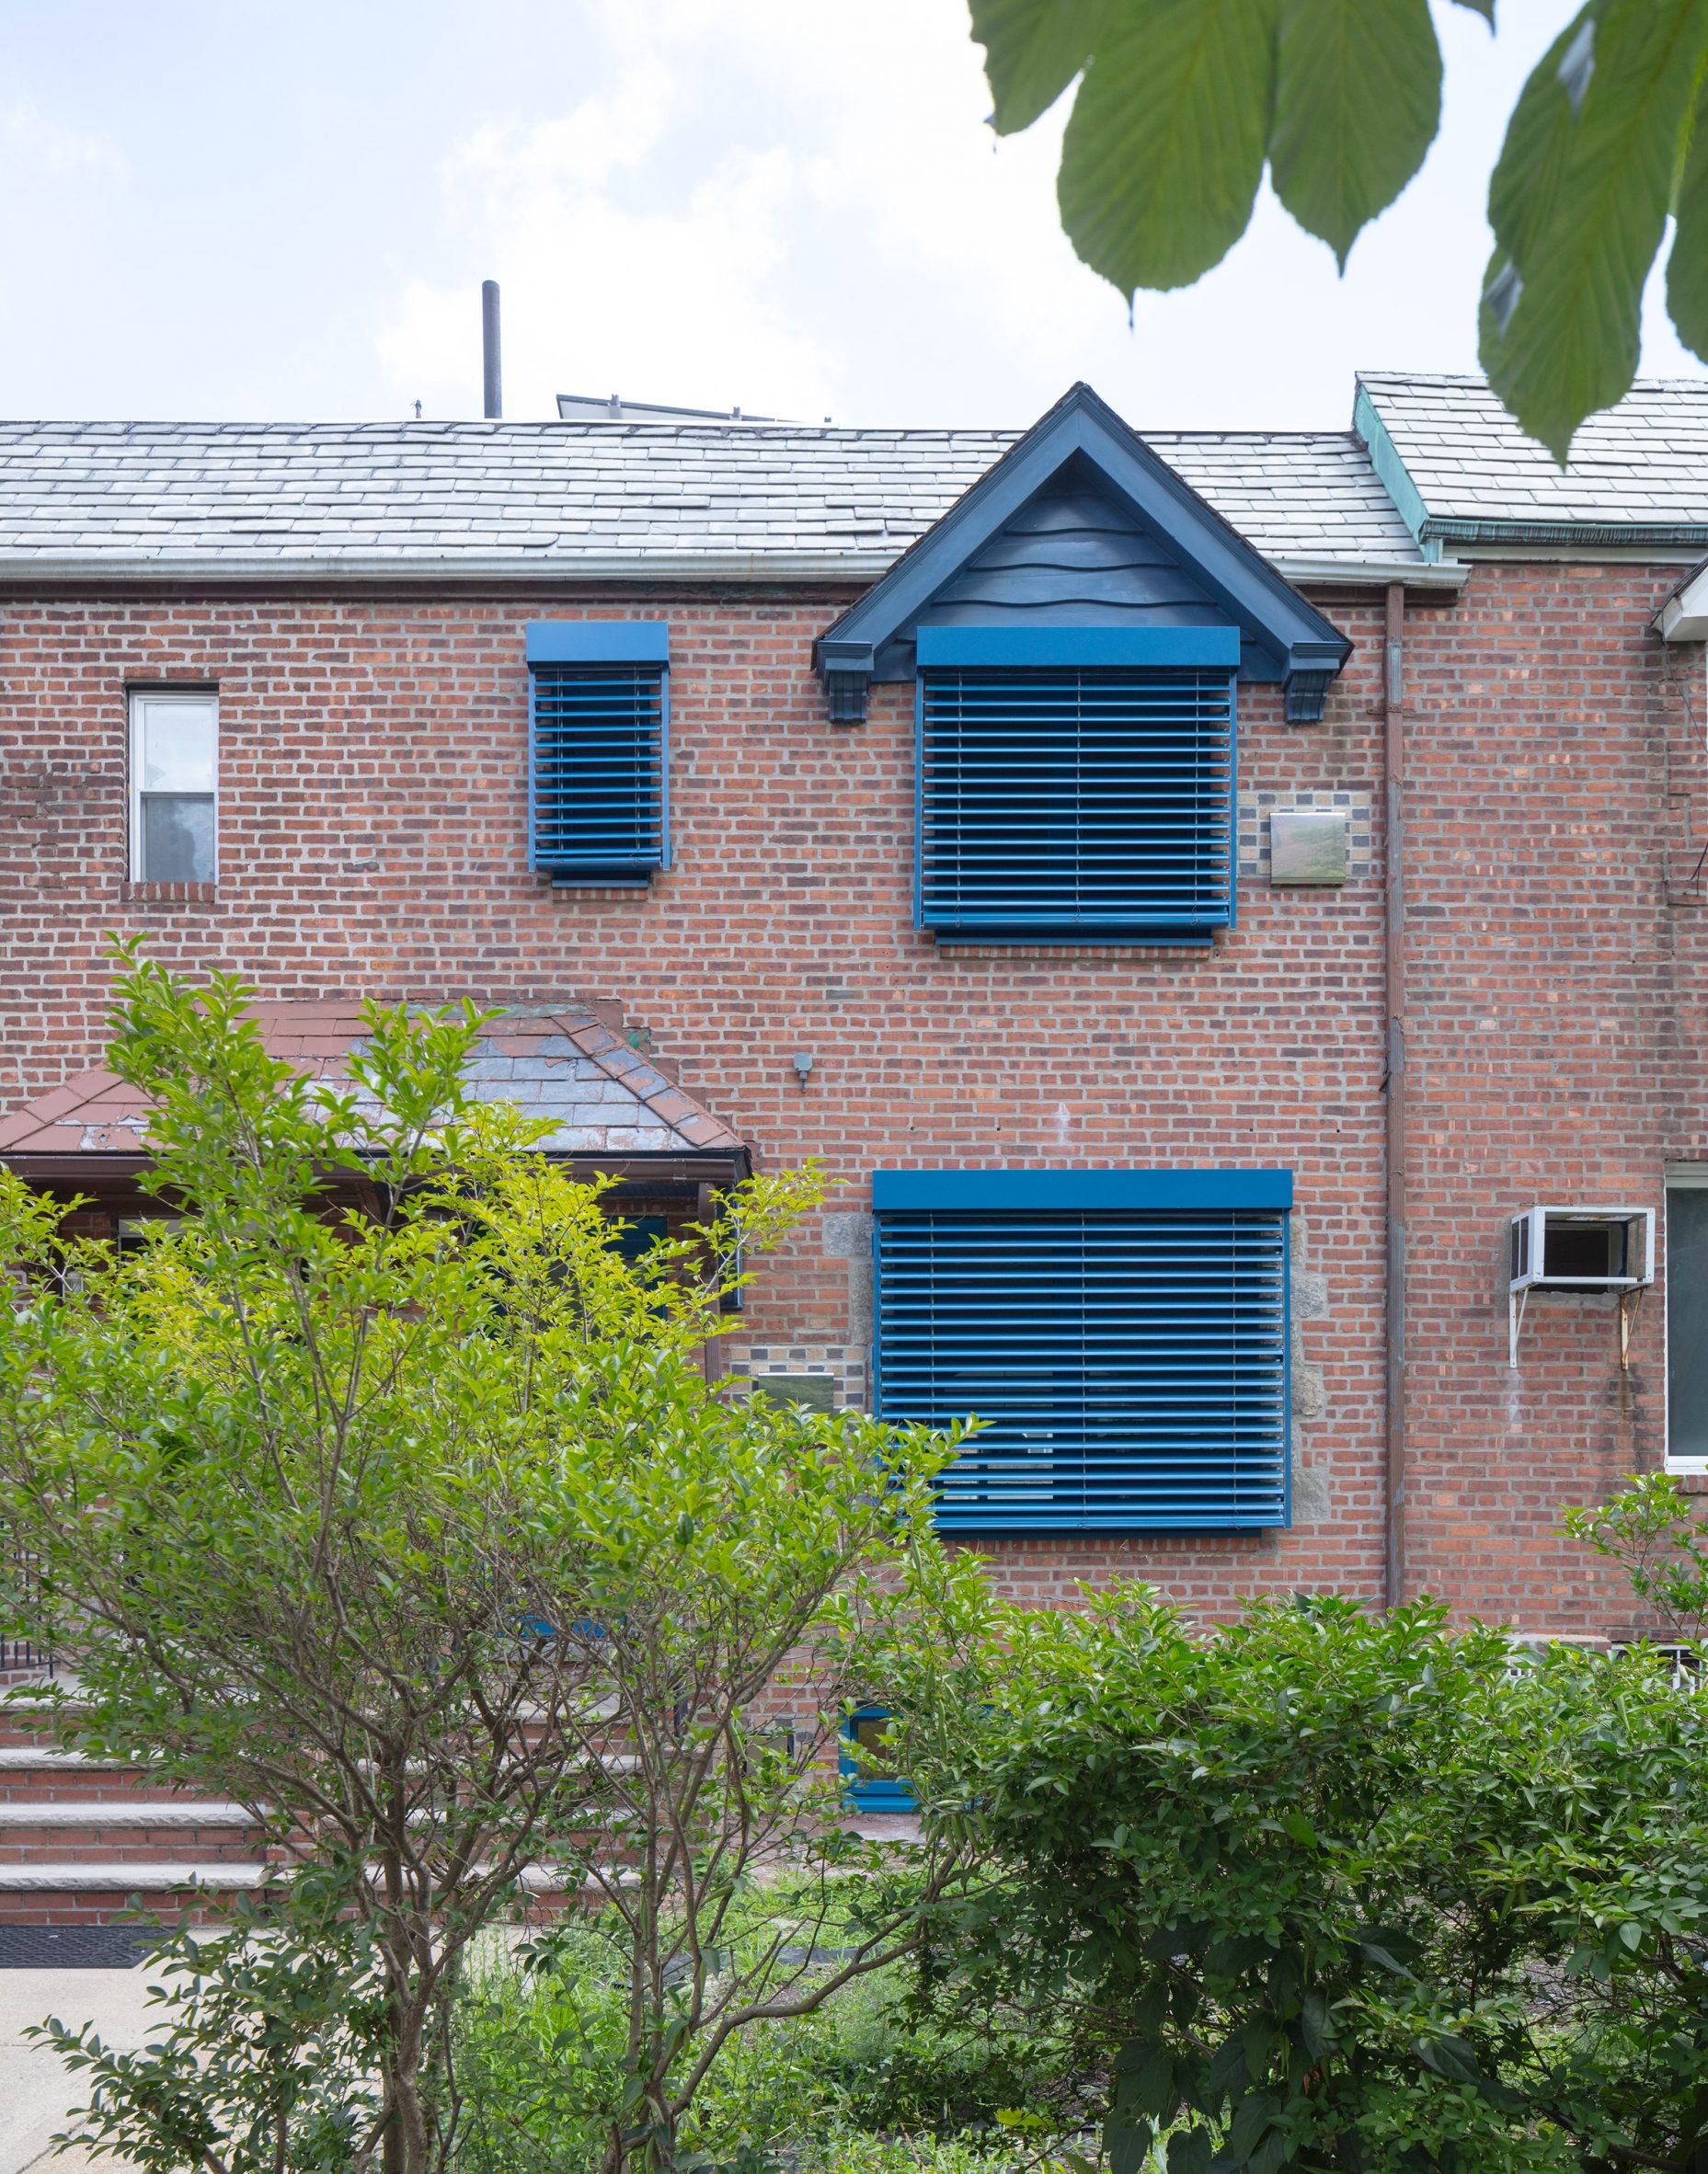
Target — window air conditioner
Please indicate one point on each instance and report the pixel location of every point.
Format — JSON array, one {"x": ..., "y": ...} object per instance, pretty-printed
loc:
[
  {"x": 1578, "y": 1249},
  {"x": 1582, "y": 1249}
]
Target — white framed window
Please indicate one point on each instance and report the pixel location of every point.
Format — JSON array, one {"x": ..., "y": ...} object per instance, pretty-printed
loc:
[
  {"x": 173, "y": 787},
  {"x": 1687, "y": 1317}
]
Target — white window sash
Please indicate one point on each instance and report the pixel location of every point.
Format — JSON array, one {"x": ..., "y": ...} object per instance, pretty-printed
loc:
[
  {"x": 1681, "y": 1177},
  {"x": 141, "y": 704}
]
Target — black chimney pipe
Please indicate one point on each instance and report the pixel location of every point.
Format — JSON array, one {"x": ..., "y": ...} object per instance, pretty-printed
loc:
[{"x": 493, "y": 379}]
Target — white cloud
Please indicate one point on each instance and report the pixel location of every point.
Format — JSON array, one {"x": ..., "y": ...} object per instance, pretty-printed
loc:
[
  {"x": 796, "y": 206},
  {"x": 773, "y": 210},
  {"x": 612, "y": 284},
  {"x": 46, "y": 147}
]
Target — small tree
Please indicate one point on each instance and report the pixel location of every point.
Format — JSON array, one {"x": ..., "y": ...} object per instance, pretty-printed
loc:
[
  {"x": 1656, "y": 1534},
  {"x": 416, "y": 1528}
]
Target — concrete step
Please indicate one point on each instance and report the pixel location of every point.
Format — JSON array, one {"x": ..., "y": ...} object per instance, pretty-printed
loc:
[
  {"x": 37, "y": 1774},
  {"x": 104, "y": 1877},
  {"x": 99, "y": 1812},
  {"x": 53, "y": 1891},
  {"x": 26, "y": 1758},
  {"x": 100, "y": 1834}
]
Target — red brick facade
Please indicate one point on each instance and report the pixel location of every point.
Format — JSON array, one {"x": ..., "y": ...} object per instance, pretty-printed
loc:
[{"x": 373, "y": 798}]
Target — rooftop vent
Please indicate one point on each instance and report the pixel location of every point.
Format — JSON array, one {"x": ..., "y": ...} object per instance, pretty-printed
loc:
[{"x": 585, "y": 407}]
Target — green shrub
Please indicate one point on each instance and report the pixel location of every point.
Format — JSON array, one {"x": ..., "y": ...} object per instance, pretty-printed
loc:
[
  {"x": 541, "y": 2059},
  {"x": 896, "y": 2070},
  {"x": 859, "y": 2086},
  {"x": 1336, "y": 1891}
]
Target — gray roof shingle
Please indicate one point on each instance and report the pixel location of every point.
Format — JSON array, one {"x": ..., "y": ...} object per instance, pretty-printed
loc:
[
  {"x": 569, "y": 1069},
  {"x": 1641, "y": 465},
  {"x": 558, "y": 497}
]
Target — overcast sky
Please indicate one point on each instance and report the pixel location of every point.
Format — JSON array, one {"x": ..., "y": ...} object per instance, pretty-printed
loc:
[{"x": 261, "y": 211}]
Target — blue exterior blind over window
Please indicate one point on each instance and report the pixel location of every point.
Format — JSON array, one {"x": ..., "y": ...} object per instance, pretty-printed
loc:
[
  {"x": 599, "y": 708},
  {"x": 1084, "y": 801},
  {"x": 1130, "y": 1360}
]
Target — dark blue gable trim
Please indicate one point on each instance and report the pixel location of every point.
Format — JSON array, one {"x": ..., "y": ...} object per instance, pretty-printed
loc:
[
  {"x": 1040, "y": 1191},
  {"x": 599, "y": 641},
  {"x": 946, "y": 646},
  {"x": 1285, "y": 637}
]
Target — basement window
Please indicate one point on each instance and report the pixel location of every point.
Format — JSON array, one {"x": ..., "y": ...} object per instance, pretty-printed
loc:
[
  {"x": 174, "y": 788},
  {"x": 866, "y": 1763}
]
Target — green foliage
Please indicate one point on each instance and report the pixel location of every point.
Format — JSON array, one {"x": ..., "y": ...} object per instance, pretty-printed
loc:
[
  {"x": 541, "y": 2051},
  {"x": 1654, "y": 1531},
  {"x": 893, "y": 2067},
  {"x": 1166, "y": 145},
  {"x": 1358, "y": 95},
  {"x": 543, "y": 2046},
  {"x": 1181, "y": 103},
  {"x": 1579, "y": 204},
  {"x": 380, "y": 1494},
  {"x": 1340, "y": 1892},
  {"x": 266, "y": 2053}
]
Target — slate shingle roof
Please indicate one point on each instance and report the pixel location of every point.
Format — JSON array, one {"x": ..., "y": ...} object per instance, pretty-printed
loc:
[
  {"x": 603, "y": 1097},
  {"x": 559, "y": 497},
  {"x": 760, "y": 501},
  {"x": 1641, "y": 464}
]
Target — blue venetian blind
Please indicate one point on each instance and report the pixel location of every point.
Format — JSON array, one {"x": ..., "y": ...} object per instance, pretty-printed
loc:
[
  {"x": 1092, "y": 801},
  {"x": 1132, "y": 1363},
  {"x": 596, "y": 787}
]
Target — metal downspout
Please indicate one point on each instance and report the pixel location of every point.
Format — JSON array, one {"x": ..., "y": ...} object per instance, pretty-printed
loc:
[{"x": 1393, "y": 767}]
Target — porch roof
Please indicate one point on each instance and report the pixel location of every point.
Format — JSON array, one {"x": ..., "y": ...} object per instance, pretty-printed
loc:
[{"x": 601, "y": 1097}]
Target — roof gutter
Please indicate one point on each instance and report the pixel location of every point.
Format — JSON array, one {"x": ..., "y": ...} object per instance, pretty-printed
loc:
[
  {"x": 108, "y": 1169},
  {"x": 1629, "y": 535},
  {"x": 840, "y": 567},
  {"x": 1684, "y": 615},
  {"x": 1376, "y": 573}
]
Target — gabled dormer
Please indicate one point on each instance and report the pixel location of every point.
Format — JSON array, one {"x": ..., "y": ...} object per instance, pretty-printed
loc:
[
  {"x": 1080, "y": 524},
  {"x": 1077, "y": 626}
]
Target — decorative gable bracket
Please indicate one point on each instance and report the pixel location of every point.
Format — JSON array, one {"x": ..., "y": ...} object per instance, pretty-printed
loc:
[{"x": 1200, "y": 571}]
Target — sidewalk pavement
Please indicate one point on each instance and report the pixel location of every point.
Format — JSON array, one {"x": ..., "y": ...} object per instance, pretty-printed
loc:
[{"x": 36, "y": 2092}]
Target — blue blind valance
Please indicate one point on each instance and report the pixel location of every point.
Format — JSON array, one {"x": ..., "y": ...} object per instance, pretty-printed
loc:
[
  {"x": 1132, "y": 1362},
  {"x": 599, "y": 711},
  {"x": 1076, "y": 802}
]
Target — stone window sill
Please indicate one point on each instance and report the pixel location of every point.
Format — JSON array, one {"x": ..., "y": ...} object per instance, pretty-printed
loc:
[{"x": 170, "y": 893}]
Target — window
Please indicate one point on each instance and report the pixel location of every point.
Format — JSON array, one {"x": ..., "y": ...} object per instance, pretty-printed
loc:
[
  {"x": 1123, "y": 1332},
  {"x": 1085, "y": 800},
  {"x": 174, "y": 768},
  {"x": 1687, "y": 1316},
  {"x": 639, "y": 1235},
  {"x": 598, "y": 800},
  {"x": 869, "y": 1787}
]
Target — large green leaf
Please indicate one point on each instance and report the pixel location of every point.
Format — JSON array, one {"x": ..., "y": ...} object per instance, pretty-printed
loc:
[
  {"x": 1358, "y": 95},
  {"x": 1687, "y": 268},
  {"x": 1033, "y": 49},
  {"x": 1579, "y": 204},
  {"x": 1165, "y": 146}
]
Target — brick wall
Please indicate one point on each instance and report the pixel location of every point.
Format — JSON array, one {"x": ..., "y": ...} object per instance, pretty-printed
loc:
[
  {"x": 1556, "y": 1015},
  {"x": 372, "y": 780}
]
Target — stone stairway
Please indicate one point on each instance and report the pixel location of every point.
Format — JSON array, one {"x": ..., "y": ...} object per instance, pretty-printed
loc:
[
  {"x": 79, "y": 1837},
  {"x": 82, "y": 1838}
]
